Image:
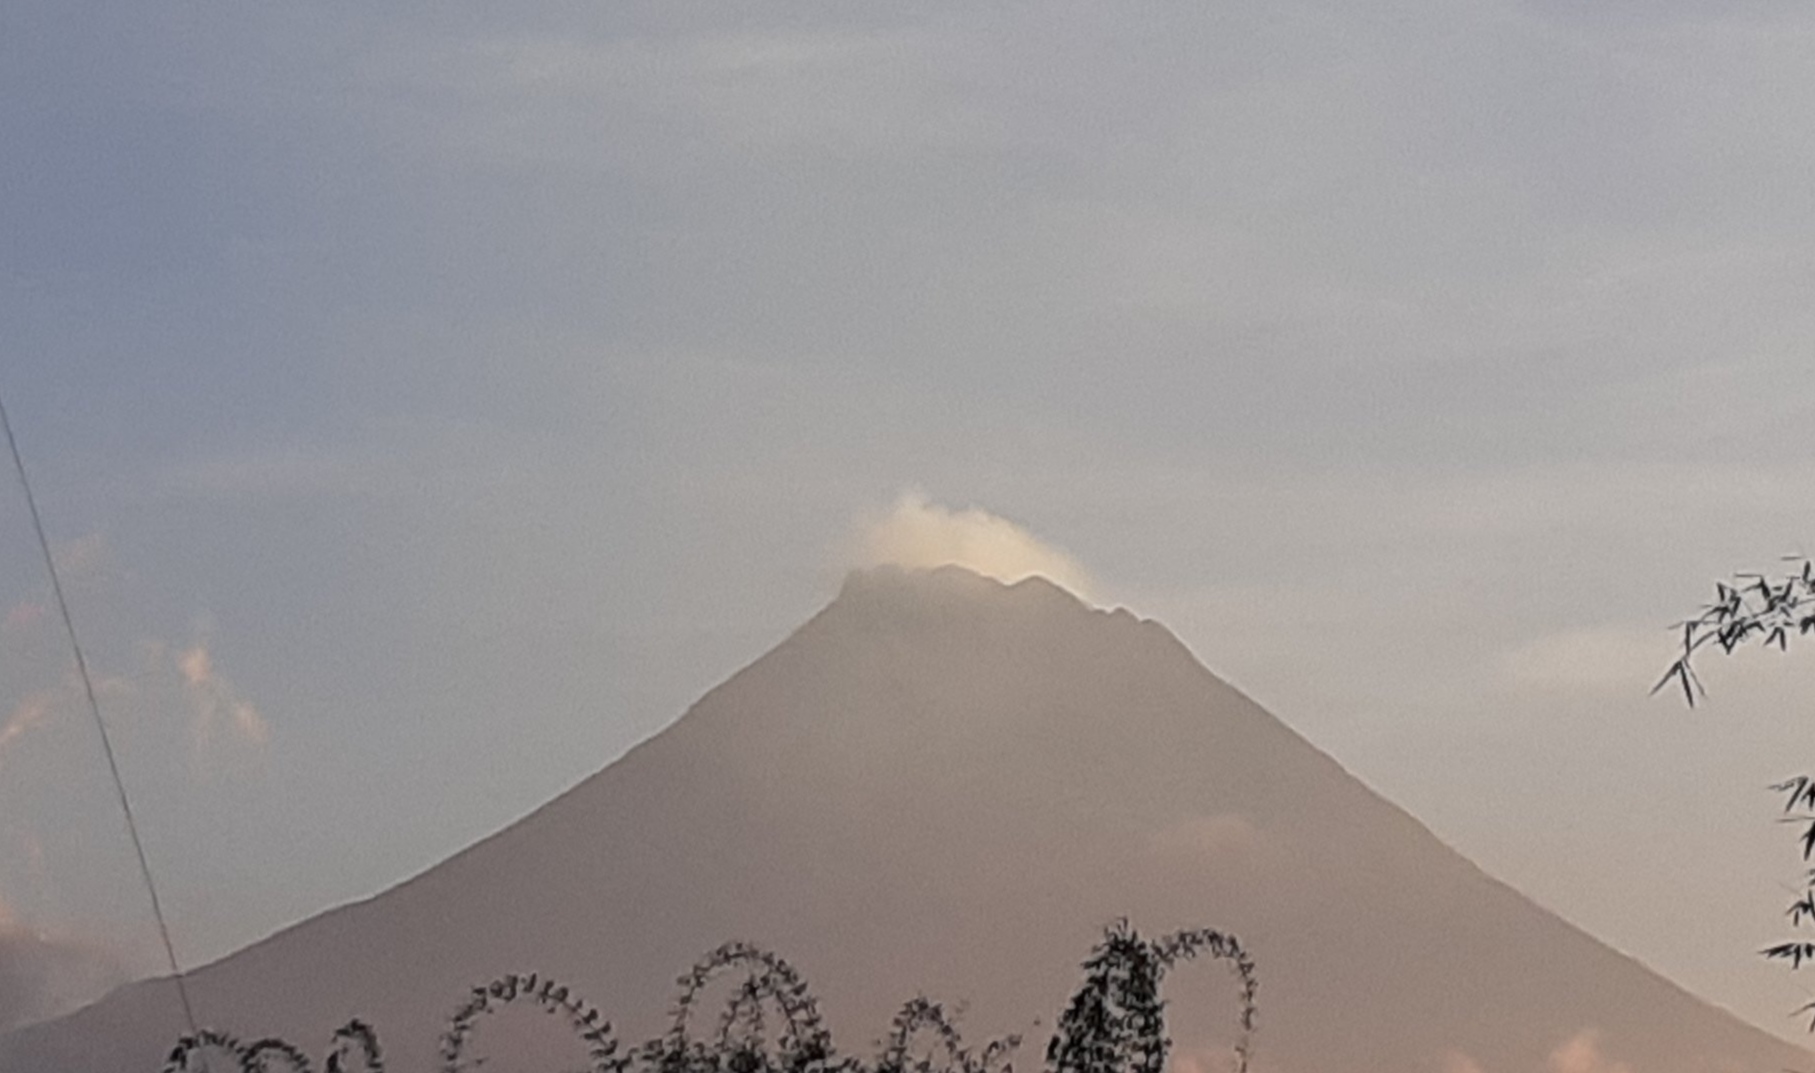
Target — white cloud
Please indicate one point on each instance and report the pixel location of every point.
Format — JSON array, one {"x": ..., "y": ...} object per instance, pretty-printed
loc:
[{"x": 920, "y": 534}]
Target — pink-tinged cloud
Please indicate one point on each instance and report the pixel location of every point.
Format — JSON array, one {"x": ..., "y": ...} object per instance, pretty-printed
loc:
[
  {"x": 1458, "y": 1062},
  {"x": 1223, "y": 837},
  {"x": 34, "y": 856},
  {"x": 1199, "y": 1060},
  {"x": 1582, "y": 1053},
  {"x": 215, "y": 702},
  {"x": 80, "y": 557},
  {"x": 26, "y": 715},
  {"x": 22, "y": 616},
  {"x": 43, "y": 975}
]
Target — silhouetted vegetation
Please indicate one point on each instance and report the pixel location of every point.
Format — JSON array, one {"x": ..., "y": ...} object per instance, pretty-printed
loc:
[
  {"x": 1115, "y": 1023},
  {"x": 1747, "y": 608},
  {"x": 353, "y": 1049},
  {"x": 1117, "y": 1020},
  {"x": 1755, "y": 609},
  {"x": 552, "y": 998},
  {"x": 739, "y": 1044},
  {"x": 922, "y": 1015}
]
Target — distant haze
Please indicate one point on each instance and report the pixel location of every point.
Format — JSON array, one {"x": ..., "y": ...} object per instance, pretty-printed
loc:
[
  {"x": 944, "y": 785},
  {"x": 430, "y": 401}
]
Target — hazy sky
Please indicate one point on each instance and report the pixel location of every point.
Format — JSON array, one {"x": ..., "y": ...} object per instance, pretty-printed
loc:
[{"x": 430, "y": 400}]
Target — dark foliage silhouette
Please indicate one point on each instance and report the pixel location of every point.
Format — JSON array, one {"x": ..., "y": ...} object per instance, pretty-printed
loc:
[
  {"x": 1747, "y": 608},
  {"x": 1115, "y": 1023},
  {"x": 921, "y": 1015},
  {"x": 552, "y": 998},
  {"x": 739, "y": 1046},
  {"x": 1752, "y": 608},
  {"x": 353, "y": 1049},
  {"x": 209, "y": 1052},
  {"x": 276, "y": 1056}
]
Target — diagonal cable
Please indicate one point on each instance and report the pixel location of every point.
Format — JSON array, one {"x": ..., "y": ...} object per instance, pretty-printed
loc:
[{"x": 94, "y": 709}]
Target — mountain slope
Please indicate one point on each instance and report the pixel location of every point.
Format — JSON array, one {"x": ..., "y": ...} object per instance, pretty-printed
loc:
[{"x": 945, "y": 785}]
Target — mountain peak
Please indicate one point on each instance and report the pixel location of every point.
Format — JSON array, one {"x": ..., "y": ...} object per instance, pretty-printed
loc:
[
  {"x": 947, "y": 784},
  {"x": 949, "y": 582},
  {"x": 904, "y": 595},
  {"x": 951, "y": 603}
]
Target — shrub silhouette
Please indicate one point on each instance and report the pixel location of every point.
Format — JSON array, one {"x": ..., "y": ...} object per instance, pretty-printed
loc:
[
  {"x": 355, "y": 1036},
  {"x": 209, "y": 1051},
  {"x": 1747, "y": 609},
  {"x": 739, "y": 1047},
  {"x": 1114, "y": 1023},
  {"x": 217, "y": 1052},
  {"x": 552, "y": 998},
  {"x": 922, "y": 1014}
]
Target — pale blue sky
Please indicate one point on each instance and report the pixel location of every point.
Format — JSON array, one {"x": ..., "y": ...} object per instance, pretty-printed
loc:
[{"x": 476, "y": 385}]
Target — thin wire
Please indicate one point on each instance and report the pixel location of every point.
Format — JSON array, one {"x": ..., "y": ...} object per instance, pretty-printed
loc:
[{"x": 94, "y": 709}]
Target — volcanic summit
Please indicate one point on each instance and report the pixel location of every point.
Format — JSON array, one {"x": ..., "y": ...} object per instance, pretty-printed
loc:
[{"x": 941, "y": 784}]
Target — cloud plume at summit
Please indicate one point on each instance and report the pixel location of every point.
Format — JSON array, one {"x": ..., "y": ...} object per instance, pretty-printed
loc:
[
  {"x": 920, "y": 534},
  {"x": 427, "y": 404}
]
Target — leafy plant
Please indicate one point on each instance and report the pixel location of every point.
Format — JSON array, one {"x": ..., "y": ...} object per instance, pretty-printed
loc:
[
  {"x": 1752, "y": 608},
  {"x": 803, "y": 1047},
  {"x": 209, "y": 1051},
  {"x": 1115, "y": 1023},
  {"x": 1747, "y": 607},
  {"x": 921, "y": 1014},
  {"x": 552, "y": 998},
  {"x": 217, "y": 1052}
]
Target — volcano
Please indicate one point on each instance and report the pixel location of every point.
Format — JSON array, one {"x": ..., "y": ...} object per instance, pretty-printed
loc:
[{"x": 945, "y": 785}]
